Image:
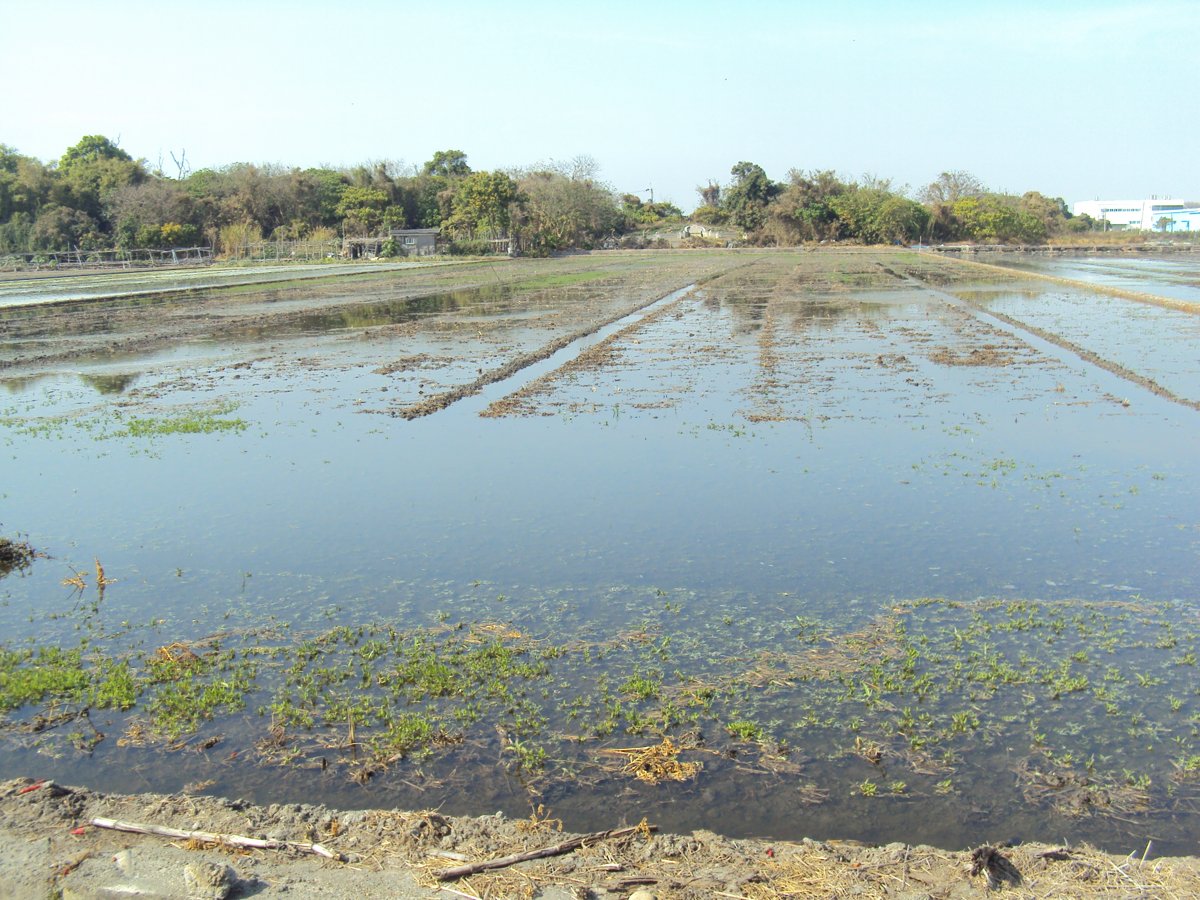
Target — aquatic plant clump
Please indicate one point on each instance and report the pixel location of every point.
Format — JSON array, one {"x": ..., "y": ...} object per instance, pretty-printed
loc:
[{"x": 15, "y": 556}]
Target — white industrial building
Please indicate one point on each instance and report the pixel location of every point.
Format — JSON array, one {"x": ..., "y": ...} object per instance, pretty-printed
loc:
[{"x": 1155, "y": 214}]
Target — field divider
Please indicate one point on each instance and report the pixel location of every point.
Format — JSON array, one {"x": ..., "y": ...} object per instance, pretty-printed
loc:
[
  {"x": 1088, "y": 356},
  {"x": 590, "y": 356},
  {"x": 444, "y": 399}
]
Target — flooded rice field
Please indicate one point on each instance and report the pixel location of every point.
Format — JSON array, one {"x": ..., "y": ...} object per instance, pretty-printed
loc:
[
  {"x": 872, "y": 545},
  {"x": 47, "y": 287},
  {"x": 1173, "y": 275}
]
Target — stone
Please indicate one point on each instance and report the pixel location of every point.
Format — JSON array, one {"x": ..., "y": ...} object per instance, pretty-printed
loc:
[{"x": 208, "y": 880}]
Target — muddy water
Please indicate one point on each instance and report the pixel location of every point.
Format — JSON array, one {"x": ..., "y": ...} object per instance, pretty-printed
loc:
[{"x": 802, "y": 436}]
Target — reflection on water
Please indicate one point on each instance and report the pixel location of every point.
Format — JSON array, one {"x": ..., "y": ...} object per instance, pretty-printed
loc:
[
  {"x": 1173, "y": 275},
  {"x": 109, "y": 383},
  {"x": 644, "y": 503}
]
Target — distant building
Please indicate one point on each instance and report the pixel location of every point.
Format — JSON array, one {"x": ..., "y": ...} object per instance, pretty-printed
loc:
[
  {"x": 405, "y": 241},
  {"x": 1180, "y": 220},
  {"x": 415, "y": 241},
  {"x": 1155, "y": 214}
]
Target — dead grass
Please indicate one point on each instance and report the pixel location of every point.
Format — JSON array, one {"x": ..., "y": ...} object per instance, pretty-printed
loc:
[
  {"x": 656, "y": 763},
  {"x": 989, "y": 355}
]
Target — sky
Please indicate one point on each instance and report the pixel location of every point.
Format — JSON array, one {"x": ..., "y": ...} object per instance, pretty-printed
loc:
[{"x": 1082, "y": 100}]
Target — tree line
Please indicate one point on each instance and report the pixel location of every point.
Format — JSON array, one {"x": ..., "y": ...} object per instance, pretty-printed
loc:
[
  {"x": 820, "y": 206},
  {"x": 97, "y": 196}
]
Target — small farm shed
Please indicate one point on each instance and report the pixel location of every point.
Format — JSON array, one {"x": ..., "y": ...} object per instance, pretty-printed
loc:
[
  {"x": 415, "y": 241},
  {"x": 407, "y": 241}
]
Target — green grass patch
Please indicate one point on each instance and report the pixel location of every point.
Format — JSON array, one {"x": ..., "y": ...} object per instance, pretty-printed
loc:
[
  {"x": 562, "y": 279},
  {"x": 188, "y": 421}
]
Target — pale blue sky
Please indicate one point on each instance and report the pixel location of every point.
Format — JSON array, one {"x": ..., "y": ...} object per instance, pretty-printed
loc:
[{"x": 1078, "y": 99}]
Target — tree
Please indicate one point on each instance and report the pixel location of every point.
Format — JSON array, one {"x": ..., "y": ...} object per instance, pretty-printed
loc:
[
  {"x": 710, "y": 194},
  {"x": 899, "y": 220},
  {"x": 482, "y": 200},
  {"x": 952, "y": 186},
  {"x": 362, "y": 208},
  {"x": 997, "y": 218},
  {"x": 24, "y": 184},
  {"x": 556, "y": 212},
  {"x": 150, "y": 204},
  {"x": 941, "y": 195},
  {"x": 89, "y": 171},
  {"x": 62, "y": 228},
  {"x": 92, "y": 148},
  {"x": 319, "y": 191},
  {"x": 804, "y": 210},
  {"x": 1052, "y": 212},
  {"x": 746, "y": 200},
  {"x": 448, "y": 164},
  {"x": 648, "y": 213}
]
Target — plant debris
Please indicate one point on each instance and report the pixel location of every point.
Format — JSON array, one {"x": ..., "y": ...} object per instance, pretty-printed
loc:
[
  {"x": 657, "y": 763},
  {"x": 15, "y": 556}
]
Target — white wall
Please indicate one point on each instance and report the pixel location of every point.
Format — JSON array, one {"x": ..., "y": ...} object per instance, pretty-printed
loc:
[{"x": 1140, "y": 214}]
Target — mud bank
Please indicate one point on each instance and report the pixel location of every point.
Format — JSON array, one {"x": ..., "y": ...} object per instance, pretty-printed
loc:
[{"x": 53, "y": 849}]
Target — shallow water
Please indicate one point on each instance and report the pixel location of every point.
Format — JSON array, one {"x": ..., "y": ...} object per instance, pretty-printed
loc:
[
  {"x": 44, "y": 290},
  {"x": 764, "y": 450},
  {"x": 1175, "y": 275}
]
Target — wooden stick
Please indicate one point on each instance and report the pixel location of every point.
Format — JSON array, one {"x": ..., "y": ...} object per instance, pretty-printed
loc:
[
  {"x": 210, "y": 837},
  {"x": 556, "y": 850}
]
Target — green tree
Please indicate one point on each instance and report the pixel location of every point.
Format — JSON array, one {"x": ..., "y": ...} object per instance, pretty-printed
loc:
[
  {"x": 427, "y": 199},
  {"x": 940, "y": 196},
  {"x": 92, "y": 148},
  {"x": 997, "y": 219},
  {"x": 1052, "y": 212},
  {"x": 746, "y": 200},
  {"x": 24, "y": 184},
  {"x": 639, "y": 213},
  {"x": 63, "y": 228},
  {"x": 319, "y": 191},
  {"x": 899, "y": 220},
  {"x": 362, "y": 209},
  {"x": 481, "y": 201},
  {"x": 448, "y": 164},
  {"x": 804, "y": 210},
  {"x": 16, "y": 235},
  {"x": 874, "y": 214},
  {"x": 89, "y": 171}
]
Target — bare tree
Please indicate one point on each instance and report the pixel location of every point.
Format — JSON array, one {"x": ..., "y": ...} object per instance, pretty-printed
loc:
[
  {"x": 181, "y": 164},
  {"x": 710, "y": 193},
  {"x": 583, "y": 167},
  {"x": 951, "y": 186}
]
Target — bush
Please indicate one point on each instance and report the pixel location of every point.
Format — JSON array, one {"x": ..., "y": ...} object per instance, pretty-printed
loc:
[{"x": 470, "y": 247}]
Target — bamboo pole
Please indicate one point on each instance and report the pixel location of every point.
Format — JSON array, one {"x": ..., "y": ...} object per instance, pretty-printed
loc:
[{"x": 211, "y": 837}]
